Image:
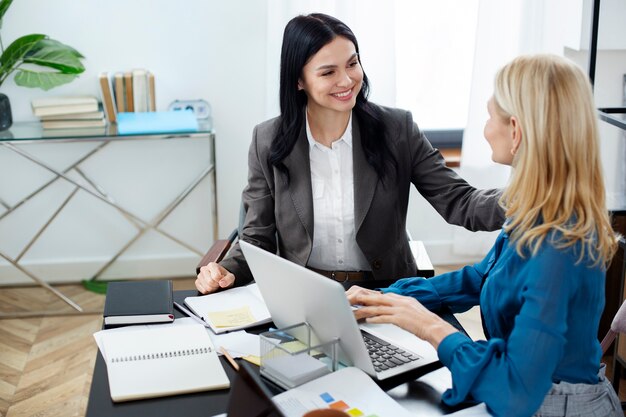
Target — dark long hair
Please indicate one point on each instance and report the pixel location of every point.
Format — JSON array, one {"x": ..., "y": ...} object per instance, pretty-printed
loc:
[{"x": 304, "y": 36}]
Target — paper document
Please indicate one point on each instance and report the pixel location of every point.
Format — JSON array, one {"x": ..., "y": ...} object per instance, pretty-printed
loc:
[
  {"x": 232, "y": 309},
  {"x": 349, "y": 390},
  {"x": 239, "y": 343}
]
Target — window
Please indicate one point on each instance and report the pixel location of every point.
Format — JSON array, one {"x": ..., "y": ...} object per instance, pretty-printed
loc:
[{"x": 434, "y": 64}]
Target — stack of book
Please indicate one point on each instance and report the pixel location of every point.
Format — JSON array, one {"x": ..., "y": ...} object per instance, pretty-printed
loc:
[{"x": 69, "y": 112}]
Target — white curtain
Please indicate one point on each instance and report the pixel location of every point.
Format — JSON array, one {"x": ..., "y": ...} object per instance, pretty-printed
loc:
[
  {"x": 505, "y": 30},
  {"x": 376, "y": 42}
]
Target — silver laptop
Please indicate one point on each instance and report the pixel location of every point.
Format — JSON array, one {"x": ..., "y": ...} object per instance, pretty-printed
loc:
[{"x": 294, "y": 294}]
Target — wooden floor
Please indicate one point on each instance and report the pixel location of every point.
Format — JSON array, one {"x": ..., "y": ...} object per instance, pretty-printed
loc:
[{"x": 46, "y": 363}]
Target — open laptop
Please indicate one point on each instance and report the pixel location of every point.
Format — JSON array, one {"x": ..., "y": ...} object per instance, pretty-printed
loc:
[{"x": 294, "y": 294}]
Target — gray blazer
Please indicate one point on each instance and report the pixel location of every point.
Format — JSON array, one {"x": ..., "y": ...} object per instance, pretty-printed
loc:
[{"x": 279, "y": 216}]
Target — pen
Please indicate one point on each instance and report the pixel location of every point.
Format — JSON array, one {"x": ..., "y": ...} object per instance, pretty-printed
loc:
[
  {"x": 229, "y": 358},
  {"x": 190, "y": 314}
]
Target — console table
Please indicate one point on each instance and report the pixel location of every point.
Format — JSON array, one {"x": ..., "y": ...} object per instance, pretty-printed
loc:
[{"x": 27, "y": 145}]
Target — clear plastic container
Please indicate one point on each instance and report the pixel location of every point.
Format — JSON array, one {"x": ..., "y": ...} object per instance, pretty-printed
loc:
[{"x": 289, "y": 359}]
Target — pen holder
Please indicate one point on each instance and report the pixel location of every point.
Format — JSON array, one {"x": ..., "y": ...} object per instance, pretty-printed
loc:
[{"x": 289, "y": 357}]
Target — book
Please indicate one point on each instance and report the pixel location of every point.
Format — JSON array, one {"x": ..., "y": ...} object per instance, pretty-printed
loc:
[
  {"x": 107, "y": 97},
  {"x": 118, "y": 92},
  {"x": 233, "y": 309},
  {"x": 128, "y": 90},
  {"x": 140, "y": 90},
  {"x": 75, "y": 132},
  {"x": 72, "y": 123},
  {"x": 157, "y": 122},
  {"x": 132, "y": 302},
  {"x": 92, "y": 115},
  {"x": 151, "y": 92},
  {"x": 52, "y": 106},
  {"x": 161, "y": 361},
  {"x": 349, "y": 389}
]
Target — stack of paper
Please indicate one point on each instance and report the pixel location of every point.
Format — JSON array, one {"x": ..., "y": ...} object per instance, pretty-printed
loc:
[
  {"x": 349, "y": 390},
  {"x": 289, "y": 371}
]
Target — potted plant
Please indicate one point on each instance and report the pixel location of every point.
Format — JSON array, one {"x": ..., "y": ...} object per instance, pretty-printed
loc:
[{"x": 38, "y": 62}]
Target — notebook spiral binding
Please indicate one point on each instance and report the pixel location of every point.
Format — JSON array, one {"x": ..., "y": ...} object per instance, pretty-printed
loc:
[{"x": 162, "y": 355}]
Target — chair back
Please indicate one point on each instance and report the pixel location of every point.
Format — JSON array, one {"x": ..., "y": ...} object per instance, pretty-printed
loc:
[{"x": 618, "y": 325}]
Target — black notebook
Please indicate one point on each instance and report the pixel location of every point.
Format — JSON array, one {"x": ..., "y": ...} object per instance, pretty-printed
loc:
[{"x": 135, "y": 302}]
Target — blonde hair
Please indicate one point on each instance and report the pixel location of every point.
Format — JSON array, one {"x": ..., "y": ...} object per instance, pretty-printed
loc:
[{"x": 557, "y": 181}]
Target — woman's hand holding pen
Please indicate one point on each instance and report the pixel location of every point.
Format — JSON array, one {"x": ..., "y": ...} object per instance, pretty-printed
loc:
[
  {"x": 213, "y": 277},
  {"x": 405, "y": 312}
]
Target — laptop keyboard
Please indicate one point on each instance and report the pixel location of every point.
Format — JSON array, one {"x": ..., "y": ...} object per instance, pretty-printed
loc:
[{"x": 384, "y": 355}]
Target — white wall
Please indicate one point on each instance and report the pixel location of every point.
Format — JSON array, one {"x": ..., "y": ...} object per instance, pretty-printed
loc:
[
  {"x": 609, "y": 89},
  {"x": 212, "y": 50},
  {"x": 197, "y": 49}
]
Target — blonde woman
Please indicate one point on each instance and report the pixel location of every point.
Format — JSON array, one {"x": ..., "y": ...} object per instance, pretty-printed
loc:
[{"x": 541, "y": 287}]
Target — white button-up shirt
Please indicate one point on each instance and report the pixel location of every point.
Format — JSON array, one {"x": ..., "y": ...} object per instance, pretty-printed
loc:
[{"x": 332, "y": 179}]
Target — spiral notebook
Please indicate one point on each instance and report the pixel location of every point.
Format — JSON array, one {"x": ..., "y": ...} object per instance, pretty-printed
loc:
[{"x": 160, "y": 361}]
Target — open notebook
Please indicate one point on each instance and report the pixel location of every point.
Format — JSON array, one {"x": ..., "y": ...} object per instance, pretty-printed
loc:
[
  {"x": 233, "y": 309},
  {"x": 161, "y": 360}
]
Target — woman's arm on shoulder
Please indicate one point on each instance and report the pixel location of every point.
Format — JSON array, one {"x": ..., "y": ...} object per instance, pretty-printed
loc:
[{"x": 454, "y": 199}]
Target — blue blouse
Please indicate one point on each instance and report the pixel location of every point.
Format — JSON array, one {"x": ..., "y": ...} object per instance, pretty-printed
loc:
[{"x": 542, "y": 314}]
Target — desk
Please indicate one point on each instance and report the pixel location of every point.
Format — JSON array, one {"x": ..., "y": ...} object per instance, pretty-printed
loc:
[
  {"x": 416, "y": 396},
  {"x": 108, "y": 188}
]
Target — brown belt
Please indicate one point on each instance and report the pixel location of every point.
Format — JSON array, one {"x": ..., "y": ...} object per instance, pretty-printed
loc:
[{"x": 343, "y": 276}]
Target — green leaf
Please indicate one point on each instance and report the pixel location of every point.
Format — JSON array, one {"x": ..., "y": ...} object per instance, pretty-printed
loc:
[
  {"x": 52, "y": 43},
  {"x": 4, "y": 5},
  {"x": 99, "y": 287},
  {"x": 14, "y": 54},
  {"x": 44, "y": 80},
  {"x": 56, "y": 56}
]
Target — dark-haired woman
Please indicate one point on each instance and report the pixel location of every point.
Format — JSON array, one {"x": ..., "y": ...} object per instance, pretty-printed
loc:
[{"x": 329, "y": 179}]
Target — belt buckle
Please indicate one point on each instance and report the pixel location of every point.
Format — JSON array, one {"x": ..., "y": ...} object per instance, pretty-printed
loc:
[{"x": 334, "y": 276}]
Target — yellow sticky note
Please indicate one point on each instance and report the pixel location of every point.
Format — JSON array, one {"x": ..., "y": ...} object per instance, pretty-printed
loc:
[
  {"x": 231, "y": 318},
  {"x": 293, "y": 346},
  {"x": 296, "y": 346},
  {"x": 252, "y": 359}
]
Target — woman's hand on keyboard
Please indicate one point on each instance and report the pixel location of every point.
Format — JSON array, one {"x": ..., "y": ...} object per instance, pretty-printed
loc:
[
  {"x": 355, "y": 290},
  {"x": 405, "y": 312}
]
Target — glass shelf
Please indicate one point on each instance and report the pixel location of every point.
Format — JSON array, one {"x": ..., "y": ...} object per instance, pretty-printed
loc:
[
  {"x": 33, "y": 131},
  {"x": 607, "y": 114}
]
